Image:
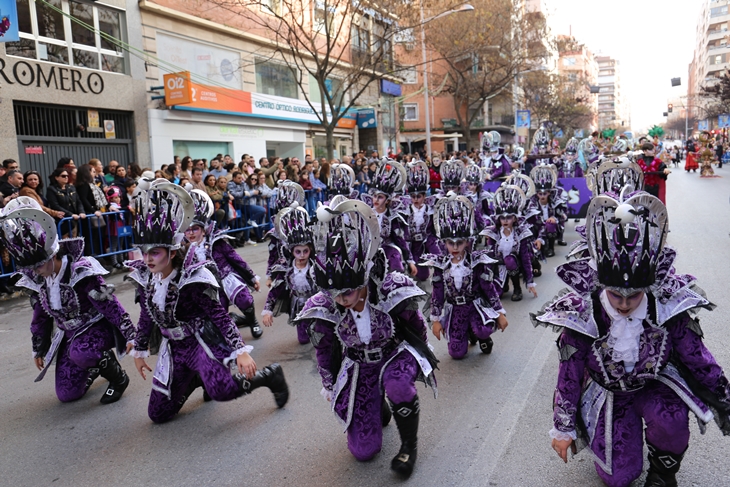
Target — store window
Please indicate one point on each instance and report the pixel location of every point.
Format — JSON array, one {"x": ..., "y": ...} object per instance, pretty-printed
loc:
[
  {"x": 70, "y": 32},
  {"x": 334, "y": 88},
  {"x": 276, "y": 79}
]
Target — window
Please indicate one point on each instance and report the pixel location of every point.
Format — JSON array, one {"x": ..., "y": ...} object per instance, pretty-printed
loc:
[
  {"x": 409, "y": 112},
  {"x": 410, "y": 75},
  {"x": 569, "y": 61},
  {"x": 323, "y": 15},
  {"x": 46, "y": 35},
  {"x": 334, "y": 88},
  {"x": 717, "y": 11},
  {"x": 276, "y": 79},
  {"x": 272, "y": 7}
]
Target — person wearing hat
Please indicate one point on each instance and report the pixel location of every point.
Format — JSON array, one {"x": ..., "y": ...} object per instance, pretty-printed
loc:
[
  {"x": 286, "y": 194},
  {"x": 67, "y": 291},
  {"x": 464, "y": 301},
  {"x": 569, "y": 165},
  {"x": 497, "y": 164},
  {"x": 293, "y": 282},
  {"x": 369, "y": 336},
  {"x": 550, "y": 201},
  {"x": 633, "y": 364},
  {"x": 179, "y": 296},
  {"x": 385, "y": 198},
  {"x": 235, "y": 275},
  {"x": 510, "y": 242},
  {"x": 419, "y": 232}
]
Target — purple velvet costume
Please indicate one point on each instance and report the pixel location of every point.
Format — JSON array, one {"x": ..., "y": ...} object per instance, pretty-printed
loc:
[
  {"x": 287, "y": 296},
  {"x": 499, "y": 167},
  {"x": 421, "y": 236},
  {"x": 519, "y": 259},
  {"x": 198, "y": 338},
  {"x": 602, "y": 405},
  {"x": 90, "y": 321},
  {"x": 556, "y": 208},
  {"x": 392, "y": 232},
  {"x": 475, "y": 305},
  {"x": 569, "y": 169},
  {"x": 387, "y": 364},
  {"x": 234, "y": 273}
]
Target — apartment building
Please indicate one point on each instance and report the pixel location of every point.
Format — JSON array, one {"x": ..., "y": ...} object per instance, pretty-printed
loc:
[
  {"x": 67, "y": 91},
  {"x": 246, "y": 98},
  {"x": 613, "y": 108},
  {"x": 577, "y": 63},
  {"x": 712, "y": 53}
]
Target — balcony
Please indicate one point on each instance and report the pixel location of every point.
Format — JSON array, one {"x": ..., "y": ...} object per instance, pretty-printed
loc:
[{"x": 360, "y": 57}]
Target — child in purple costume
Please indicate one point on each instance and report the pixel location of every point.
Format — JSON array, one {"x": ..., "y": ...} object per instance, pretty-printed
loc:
[
  {"x": 68, "y": 290},
  {"x": 631, "y": 350},
  {"x": 179, "y": 295},
  {"x": 464, "y": 298},
  {"x": 369, "y": 336}
]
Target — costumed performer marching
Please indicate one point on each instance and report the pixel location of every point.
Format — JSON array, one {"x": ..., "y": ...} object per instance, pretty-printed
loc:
[
  {"x": 235, "y": 276},
  {"x": 370, "y": 338},
  {"x": 179, "y": 294},
  {"x": 293, "y": 280},
  {"x": 464, "y": 297},
  {"x": 632, "y": 361},
  {"x": 68, "y": 290}
]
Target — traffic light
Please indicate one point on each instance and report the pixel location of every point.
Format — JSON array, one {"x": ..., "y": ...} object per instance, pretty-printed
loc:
[{"x": 670, "y": 108}]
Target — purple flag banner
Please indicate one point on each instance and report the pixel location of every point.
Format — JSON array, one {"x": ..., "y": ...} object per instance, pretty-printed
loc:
[{"x": 579, "y": 196}]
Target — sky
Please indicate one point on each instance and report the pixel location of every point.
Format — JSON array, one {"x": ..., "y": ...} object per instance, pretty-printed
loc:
[{"x": 653, "y": 40}]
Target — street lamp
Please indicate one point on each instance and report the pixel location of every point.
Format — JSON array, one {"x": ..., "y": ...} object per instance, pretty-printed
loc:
[{"x": 427, "y": 110}]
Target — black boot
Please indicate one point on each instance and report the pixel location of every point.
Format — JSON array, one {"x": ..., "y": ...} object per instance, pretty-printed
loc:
[
  {"x": 111, "y": 370},
  {"x": 385, "y": 413},
  {"x": 272, "y": 377},
  {"x": 253, "y": 323},
  {"x": 245, "y": 320},
  {"x": 517, "y": 294},
  {"x": 536, "y": 267},
  {"x": 663, "y": 467},
  {"x": 194, "y": 384},
  {"x": 486, "y": 345},
  {"x": 550, "y": 252},
  {"x": 472, "y": 337},
  {"x": 406, "y": 418},
  {"x": 93, "y": 374}
]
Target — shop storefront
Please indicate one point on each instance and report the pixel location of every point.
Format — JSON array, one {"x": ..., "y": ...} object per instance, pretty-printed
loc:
[{"x": 67, "y": 93}]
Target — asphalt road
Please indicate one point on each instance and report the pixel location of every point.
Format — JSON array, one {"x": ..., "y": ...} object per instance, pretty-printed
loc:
[{"x": 488, "y": 425}]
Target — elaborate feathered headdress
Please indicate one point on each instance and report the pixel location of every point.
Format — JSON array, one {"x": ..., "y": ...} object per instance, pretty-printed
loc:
[
  {"x": 521, "y": 181},
  {"x": 204, "y": 208},
  {"x": 163, "y": 211},
  {"x": 615, "y": 175},
  {"x": 589, "y": 149},
  {"x": 518, "y": 153},
  {"x": 494, "y": 139},
  {"x": 28, "y": 232},
  {"x": 288, "y": 193},
  {"x": 346, "y": 239},
  {"x": 294, "y": 226},
  {"x": 453, "y": 217},
  {"x": 541, "y": 141},
  {"x": 418, "y": 177},
  {"x": 452, "y": 174},
  {"x": 572, "y": 146},
  {"x": 625, "y": 239},
  {"x": 390, "y": 178},
  {"x": 545, "y": 177},
  {"x": 509, "y": 200},
  {"x": 342, "y": 179},
  {"x": 475, "y": 174}
]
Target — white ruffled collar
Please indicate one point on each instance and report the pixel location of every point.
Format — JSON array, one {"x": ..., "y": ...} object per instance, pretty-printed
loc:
[
  {"x": 161, "y": 285},
  {"x": 54, "y": 285},
  {"x": 625, "y": 331}
]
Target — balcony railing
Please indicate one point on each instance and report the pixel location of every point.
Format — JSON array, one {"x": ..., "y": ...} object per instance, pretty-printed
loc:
[{"x": 360, "y": 56}]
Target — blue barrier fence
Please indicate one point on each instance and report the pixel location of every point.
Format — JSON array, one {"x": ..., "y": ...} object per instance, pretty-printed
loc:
[{"x": 110, "y": 235}]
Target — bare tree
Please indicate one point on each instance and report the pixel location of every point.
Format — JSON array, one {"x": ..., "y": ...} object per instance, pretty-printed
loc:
[
  {"x": 343, "y": 46},
  {"x": 484, "y": 51},
  {"x": 561, "y": 99}
]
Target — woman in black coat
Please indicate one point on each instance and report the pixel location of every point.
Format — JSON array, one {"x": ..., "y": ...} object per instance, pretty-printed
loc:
[{"x": 62, "y": 197}]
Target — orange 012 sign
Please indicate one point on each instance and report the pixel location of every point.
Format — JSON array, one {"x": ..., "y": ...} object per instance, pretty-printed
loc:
[{"x": 178, "y": 89}]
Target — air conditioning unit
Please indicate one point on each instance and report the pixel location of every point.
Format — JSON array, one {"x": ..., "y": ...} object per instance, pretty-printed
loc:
[{"x": 409, "y": 46}]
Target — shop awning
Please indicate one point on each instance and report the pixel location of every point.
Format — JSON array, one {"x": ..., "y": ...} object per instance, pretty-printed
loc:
[{"x": 421, "y": 138}]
